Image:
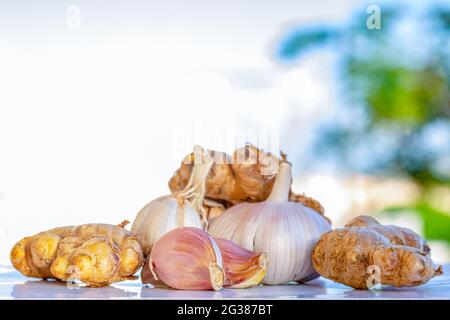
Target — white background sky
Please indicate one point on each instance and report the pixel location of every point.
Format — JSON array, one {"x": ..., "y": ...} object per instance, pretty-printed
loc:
[{"x": 93, "y": 121}]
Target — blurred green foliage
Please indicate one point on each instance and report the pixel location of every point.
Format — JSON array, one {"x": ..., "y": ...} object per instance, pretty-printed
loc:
[
  {"x": 394, "y": 91},
  {"x": 436, "y": 224}
]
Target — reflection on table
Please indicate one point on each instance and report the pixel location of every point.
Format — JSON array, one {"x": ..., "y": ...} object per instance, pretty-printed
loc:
[{"x": 14, "y": 285}]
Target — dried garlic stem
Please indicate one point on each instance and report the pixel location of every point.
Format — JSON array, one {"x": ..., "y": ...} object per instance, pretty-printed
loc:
[
  {"x": 282, "y": 184},
  {"x": 195, "y": 189}
]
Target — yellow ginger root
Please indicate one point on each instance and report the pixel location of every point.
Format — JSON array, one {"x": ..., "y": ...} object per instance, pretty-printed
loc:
[
  {"x": 96, "y": 254},
  {"x": 246, "y": 176},
  {"x": 365, "y": 253}
]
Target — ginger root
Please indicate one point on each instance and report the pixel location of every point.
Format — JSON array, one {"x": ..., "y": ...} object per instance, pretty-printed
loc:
[
  {"x": 96, "y": 254},
  {"x": 246, "y": 176},
  {"x": 365, "y": 253}
]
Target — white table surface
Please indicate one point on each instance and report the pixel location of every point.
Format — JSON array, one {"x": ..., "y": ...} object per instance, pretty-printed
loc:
[{"x": 15, "y": 286}]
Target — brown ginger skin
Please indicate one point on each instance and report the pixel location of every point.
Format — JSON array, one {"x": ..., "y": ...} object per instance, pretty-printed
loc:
[
  {"x": 232, "y": 179},
  {"x": 350, "y": 255},
  {"x": 246, "y": 176},
  {"x": 97, "y": 254}
]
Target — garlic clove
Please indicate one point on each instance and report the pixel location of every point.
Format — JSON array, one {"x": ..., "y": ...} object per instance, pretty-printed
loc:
[
  {"x": 243, "y": 268},
  {"x": 187, "y": 259},
  {"x": 148, "y": 275}
]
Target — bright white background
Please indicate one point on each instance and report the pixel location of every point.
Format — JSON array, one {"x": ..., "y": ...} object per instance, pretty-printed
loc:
[{"x": 95, "y": 119}]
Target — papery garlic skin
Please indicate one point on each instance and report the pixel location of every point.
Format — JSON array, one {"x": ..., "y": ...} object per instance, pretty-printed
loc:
[
  {"x": 287, "y": 231},
  {"x": 243, "y": 268},
  {"x": 186, "y": 259}
]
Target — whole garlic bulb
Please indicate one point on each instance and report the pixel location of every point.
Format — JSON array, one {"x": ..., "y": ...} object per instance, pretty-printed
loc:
[
  {"x": 179, "y": 209},
  {"x": 287, "y": 231}
]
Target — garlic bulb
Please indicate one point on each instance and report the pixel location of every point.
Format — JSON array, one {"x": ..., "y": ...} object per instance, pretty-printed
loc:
[
  {"x": 287, "y": 231},
  {"x": 179, "y": 209}
]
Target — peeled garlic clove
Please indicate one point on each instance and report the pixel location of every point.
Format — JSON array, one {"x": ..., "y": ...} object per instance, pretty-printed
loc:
[
  {"x": 186, "y": 259},
  {"x": 243, "y": 268}
]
